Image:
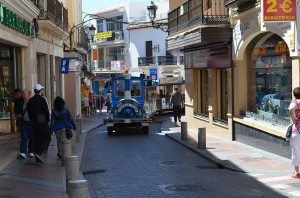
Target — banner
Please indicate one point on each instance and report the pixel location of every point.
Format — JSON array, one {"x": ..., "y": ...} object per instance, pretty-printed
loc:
[
  {"x": 64, "y": 65},
  {"x": 102, "y": 35},
  {"x": 279, "y": 10}
]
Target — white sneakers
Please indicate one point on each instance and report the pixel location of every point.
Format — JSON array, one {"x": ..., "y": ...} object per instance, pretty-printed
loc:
[
  {"x": 30, "y": 155},
  {"x": 22, "y": 156}
]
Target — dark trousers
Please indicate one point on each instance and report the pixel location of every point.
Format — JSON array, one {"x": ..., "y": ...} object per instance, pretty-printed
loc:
[
  {"x": 42, "y": 137},
  {"x": 27, "y": 140},
  {"x": 177, "y": 112}
]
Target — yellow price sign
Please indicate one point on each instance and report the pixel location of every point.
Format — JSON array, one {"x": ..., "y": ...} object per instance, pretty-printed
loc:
[{"x": 279, "y": 10}]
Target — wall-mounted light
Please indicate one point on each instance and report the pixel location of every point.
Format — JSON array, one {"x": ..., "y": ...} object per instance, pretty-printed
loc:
[
  {"x": 92, "y": 30},
  {"x": 155, "y": 48},
  {"x": 152, "y": 15}
]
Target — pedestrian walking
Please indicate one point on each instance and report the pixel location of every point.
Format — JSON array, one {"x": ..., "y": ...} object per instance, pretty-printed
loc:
[
  {"x": 294, "y": 110},
  {"x": 102, "y": 101},
  {"x": 108, "y": 103},
  {"x": 60, "y": 119},
  {"x": 177, "y": 103},
  {"x": 27, "y": 141},
  {"x": 39, "y": 116}
]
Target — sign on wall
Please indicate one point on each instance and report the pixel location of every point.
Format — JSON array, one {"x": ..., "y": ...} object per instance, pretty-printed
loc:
[
  {"x": 153, "y": 73},
  {"x": 102, "y": 35},
  {"x": 279, "y": 10},
  {"x": 117, "y": 65},
  {"x": 64, "y": 65}
]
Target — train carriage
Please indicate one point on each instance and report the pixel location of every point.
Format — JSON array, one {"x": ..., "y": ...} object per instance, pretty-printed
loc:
[{"x": 127, "y": 104}]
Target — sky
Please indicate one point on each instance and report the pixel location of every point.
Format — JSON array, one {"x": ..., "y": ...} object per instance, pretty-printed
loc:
[{"x": 89, "y": 6}]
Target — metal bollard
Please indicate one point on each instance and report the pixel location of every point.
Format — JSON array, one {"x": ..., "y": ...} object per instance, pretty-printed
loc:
[
  {"x": 77, "y": 131},
  {"x": 78, "y": 189},
  {"x": 184, "y": 135},
  {"x": 78, "y": 121},
  {"x": 73, "y": 140},
  {"x": 66, "y": 150},
  {"x": 72, "y": 169},
  {"x": 202, "y": 138}
]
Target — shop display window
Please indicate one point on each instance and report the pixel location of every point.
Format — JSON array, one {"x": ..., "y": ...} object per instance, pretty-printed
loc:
[
  {"x": 270, "y": 82},
  {"x": 202, "y": 93}
]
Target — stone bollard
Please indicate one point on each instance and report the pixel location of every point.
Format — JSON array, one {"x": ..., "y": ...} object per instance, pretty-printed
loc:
[
  {"x": 73, "y": 140},
  {"x": 78, "y": 189},
  {"x": 184, "y": 135},
  {"x": 66, "y": 150},
  {"x": 78, "y": 125},
  {"x": 72, "y": 169},
  {"x": 202, "y": 138}
]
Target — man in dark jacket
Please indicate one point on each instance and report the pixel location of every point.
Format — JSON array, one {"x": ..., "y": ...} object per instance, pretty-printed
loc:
[{"x": 39, "y": 115}]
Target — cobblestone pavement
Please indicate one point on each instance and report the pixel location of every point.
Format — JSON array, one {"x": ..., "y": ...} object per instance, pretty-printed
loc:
[{"x": 135, "y": 165}]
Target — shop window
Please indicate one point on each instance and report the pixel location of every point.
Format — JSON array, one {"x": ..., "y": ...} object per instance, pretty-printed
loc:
[
  {"x": 113, "y": 54},
  {"x": 202, "y": 94},
  {"x": 220, "y": 115},
  {"x": 101, "y": 58},
  {"x": 270, "y": 82}
]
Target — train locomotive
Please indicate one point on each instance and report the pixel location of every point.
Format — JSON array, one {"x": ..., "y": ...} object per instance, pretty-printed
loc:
[{"x": 127, "y": 104}]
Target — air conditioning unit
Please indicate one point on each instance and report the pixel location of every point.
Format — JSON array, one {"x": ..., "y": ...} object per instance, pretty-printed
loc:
[
  {"x": 124, "y": 51},
  {"x": 118, "y": 35}
]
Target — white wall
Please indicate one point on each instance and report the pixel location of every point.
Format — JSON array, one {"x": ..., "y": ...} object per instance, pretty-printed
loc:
[{"x": 137, "y": 46}]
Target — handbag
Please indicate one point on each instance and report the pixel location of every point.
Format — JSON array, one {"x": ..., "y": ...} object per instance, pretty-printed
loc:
[
  {"x": 69, "y": 133},
  {"x": 288, "y": 132}
]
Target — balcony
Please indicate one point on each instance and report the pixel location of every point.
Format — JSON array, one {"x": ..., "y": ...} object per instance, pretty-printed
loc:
[
  {"x": 81, "y": 39},
  {"x": 196, "y": 12},
  {"x": 54, "y": 11},
  {"x": 160, "y": 60}
]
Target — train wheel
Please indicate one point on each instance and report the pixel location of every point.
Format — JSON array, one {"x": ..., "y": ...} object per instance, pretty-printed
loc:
[
  {"x": 146, "y": 130},
  {"x": 110, "y": 130}
]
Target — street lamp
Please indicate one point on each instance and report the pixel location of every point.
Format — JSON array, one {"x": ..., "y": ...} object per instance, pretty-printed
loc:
[
  {"x": 152, "y": 15},
  {"x": 92, "y": 30}
]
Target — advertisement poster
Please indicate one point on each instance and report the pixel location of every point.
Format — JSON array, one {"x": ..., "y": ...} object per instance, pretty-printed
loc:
[{"x": 279, "y": 10}]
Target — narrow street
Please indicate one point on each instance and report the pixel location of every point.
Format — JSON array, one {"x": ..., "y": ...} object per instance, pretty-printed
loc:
[{"x": 130, "y": 164}]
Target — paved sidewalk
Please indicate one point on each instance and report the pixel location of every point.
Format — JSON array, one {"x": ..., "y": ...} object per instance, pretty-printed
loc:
[
  {"x": 270, "y": 169},
  {"x": 25, "y": 178}
]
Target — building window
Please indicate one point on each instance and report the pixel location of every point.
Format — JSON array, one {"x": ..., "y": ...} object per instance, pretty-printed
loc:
[
  {"x": 115, "y": 24},
  {"x": 270, "y": 82},
  {"x": 221, "y": 110},
  {"x": 202, "y": 93},
  {"x": 101, "y": 57},
  {"x": 100, "y": 25},
  {"x": 113, "y": 54}
]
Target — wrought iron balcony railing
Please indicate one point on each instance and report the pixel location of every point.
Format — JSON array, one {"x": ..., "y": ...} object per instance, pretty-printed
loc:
[
  {"x": 160, "y": 60},
  {"x": 195, "y": 12},
  {"x": 54, "y": 11},
  {"x": 82, "y": 38}
]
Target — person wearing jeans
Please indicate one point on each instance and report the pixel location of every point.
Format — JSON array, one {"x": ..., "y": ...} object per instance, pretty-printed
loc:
[
  {"x": 26, "y": 129},
  {"x": 60, "y": 119}
]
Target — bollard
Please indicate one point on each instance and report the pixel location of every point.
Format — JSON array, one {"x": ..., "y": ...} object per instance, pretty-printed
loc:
[
  {"x": 202, "y": 138},
  {"x": 66, "y": 150},
  {"x": 73, "y": 140},
  {"x": 184, "y": 131},
  {"x": 72, "y": 169},
  {"x": 78, "y": 189},
  {"x": 78, "y": 121},
  {"x": 77, "y": 131}
]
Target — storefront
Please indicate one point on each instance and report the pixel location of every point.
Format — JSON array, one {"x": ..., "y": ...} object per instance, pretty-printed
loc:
[
  {"x": 266, "y": 69},
  {"x": 208, "y": 88},
  {"x": 9, "y": 79}
]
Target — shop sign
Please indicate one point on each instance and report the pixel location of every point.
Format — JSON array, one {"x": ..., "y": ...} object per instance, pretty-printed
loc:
[
  {"x": 281, "y": 49},
  {"x": 279, "y": 10},
  {"x": 12, "y": 20},
  {"x": 103, "y": 35},
  {"x": 64, "y": 65},
  {"x": 118, "y": 65},
  {"x": 260, "y": 51},
  {"x": 153, "y": 73}
]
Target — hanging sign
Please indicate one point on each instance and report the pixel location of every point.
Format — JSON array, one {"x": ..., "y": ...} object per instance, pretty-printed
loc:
[
  {"x": 279, "y": 10},
  {"x": 102, "y": 35},
  {"x": 64, "y": 65}
]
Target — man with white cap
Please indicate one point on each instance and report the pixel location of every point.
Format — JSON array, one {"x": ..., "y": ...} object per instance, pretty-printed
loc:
[{"x": 39, "y": 115}]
